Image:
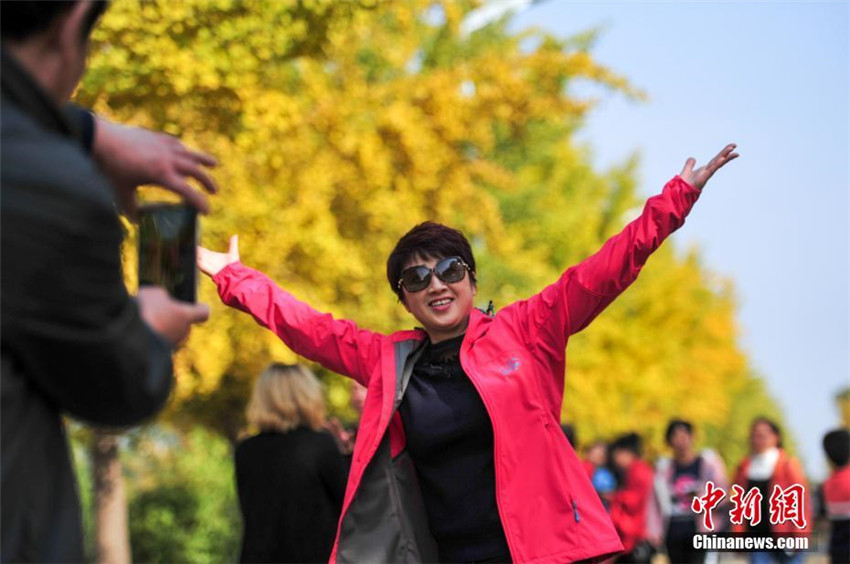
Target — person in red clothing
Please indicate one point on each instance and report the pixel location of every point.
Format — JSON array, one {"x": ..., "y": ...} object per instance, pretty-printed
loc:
[
  {"x": 768, "y": 466},
  {"x": 459, "y": 456},
  {"x": 836, "y": 494},
  {"x": 630, "y": 503}
]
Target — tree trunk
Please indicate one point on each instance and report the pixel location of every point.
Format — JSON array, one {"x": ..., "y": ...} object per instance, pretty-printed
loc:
[{"x": 112, "y": 542}]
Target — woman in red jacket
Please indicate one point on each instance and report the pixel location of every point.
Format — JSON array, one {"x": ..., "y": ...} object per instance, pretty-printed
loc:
[
  {"x": 459, "y": 456},
  {"x": 766, "y": 468}
]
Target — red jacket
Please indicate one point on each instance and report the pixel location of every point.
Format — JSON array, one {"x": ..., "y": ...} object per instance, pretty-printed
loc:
[
  {"x": 516, "y": 360},
  {"x": 786, "y": 473},
  {"x": 630, "y": 504},
  {"x": 836, "y": 494}
]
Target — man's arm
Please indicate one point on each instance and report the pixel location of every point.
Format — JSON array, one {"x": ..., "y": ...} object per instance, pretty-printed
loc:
[
  {"x": 83, "y": 120},
  {"x": 68, "y": 323}
]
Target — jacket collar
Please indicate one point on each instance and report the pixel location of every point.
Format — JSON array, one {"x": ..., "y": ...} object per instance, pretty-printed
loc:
[
  {"x": 21, "y": 89},
  {"x": 478, "y": 322}
]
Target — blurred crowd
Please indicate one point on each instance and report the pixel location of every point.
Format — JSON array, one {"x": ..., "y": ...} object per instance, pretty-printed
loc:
[{"x": 652, "y": 505}]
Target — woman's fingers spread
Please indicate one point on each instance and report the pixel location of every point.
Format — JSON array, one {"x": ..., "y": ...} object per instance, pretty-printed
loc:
[
  {"x": 727, "y": 150},
  {"x": 726, "y": 158},
  {"x": 723, "y": 157},
  {"x": 689, "y": 166}
]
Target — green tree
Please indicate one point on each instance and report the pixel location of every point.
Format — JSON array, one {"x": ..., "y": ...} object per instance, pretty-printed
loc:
[{"x": 183, "y": 505}]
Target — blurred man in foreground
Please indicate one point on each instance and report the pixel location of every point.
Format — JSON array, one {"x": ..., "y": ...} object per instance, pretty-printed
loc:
[{"x": 73, "y": 340}]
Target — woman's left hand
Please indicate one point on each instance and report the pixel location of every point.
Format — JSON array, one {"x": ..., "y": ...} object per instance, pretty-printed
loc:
[{"x": 697, "y": 178}]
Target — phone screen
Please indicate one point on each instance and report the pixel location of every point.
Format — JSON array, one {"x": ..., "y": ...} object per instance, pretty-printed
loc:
[{"x": 168, "y": 239}]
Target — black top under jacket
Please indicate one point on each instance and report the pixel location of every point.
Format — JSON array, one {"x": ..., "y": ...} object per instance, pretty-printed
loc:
[
  {"x": 72, "y": 338},
  {"x": 450, "y": 439},
  {"x": 291, "y": 487}
]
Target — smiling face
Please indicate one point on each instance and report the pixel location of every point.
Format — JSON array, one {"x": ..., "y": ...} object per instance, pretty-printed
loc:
[{"x": 442, "y": 309}]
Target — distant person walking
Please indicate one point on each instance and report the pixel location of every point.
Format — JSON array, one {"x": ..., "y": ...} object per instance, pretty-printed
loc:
[
  {"x": 836, "y": 494},
  {"x": 290, "y": 476},
  {"x": 677, "y": 481},
  {"x": 766, "y": 467}
]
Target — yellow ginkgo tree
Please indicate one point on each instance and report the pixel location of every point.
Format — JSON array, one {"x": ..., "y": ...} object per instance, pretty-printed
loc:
[{"x": 340, "y": 125}]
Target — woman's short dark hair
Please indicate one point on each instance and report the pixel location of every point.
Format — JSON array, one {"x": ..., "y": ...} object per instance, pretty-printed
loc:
[
  {"x": 677, "y": 424},
  {"x": 428, "y": 240},
  {"x": 836, "y": 444},
  {"x": 773, "y": 427}
]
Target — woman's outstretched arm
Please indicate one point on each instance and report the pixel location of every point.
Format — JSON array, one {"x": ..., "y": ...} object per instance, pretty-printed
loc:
[
  {"x": 608, "y": 272},
  {"x": 337, "y": 344},
  {"x": 586, "y": 289}
]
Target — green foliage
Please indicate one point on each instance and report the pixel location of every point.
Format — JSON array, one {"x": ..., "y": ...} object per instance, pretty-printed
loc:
[
  {"x": 183, "y": 505},
  {"x": 80, "y": 439}
]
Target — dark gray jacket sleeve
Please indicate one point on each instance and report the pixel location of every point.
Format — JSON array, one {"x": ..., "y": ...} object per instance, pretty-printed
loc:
[
  {"x": 68, "y": 323},
  {"x": 83, "y": 119}
]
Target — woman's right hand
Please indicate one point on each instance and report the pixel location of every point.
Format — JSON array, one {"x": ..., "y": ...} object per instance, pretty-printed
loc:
[{"x": 211, "y": 262}]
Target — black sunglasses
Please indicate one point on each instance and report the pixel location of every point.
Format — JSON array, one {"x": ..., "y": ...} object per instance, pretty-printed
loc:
[{"x": 417, "y": 278}]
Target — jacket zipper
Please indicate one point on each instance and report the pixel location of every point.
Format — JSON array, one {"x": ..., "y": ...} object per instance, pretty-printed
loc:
[
  {"x": 511, "y": 549},
  {"x": 547, "y": 428}
]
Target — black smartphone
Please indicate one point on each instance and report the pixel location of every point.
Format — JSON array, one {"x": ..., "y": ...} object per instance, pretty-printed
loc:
[{"x": 168, "y": 242}]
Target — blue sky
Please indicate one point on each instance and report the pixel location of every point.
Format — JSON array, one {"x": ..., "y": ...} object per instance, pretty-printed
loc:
[{"x": 772, "y": 77}]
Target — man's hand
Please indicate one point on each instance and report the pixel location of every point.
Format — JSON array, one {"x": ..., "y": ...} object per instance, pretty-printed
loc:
[
  {"x": 211, "y": 262},
  {"x": 133, "y": 156},
  {"x": 697, "y": 178},
  {"x": 168, "y": 317}
]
